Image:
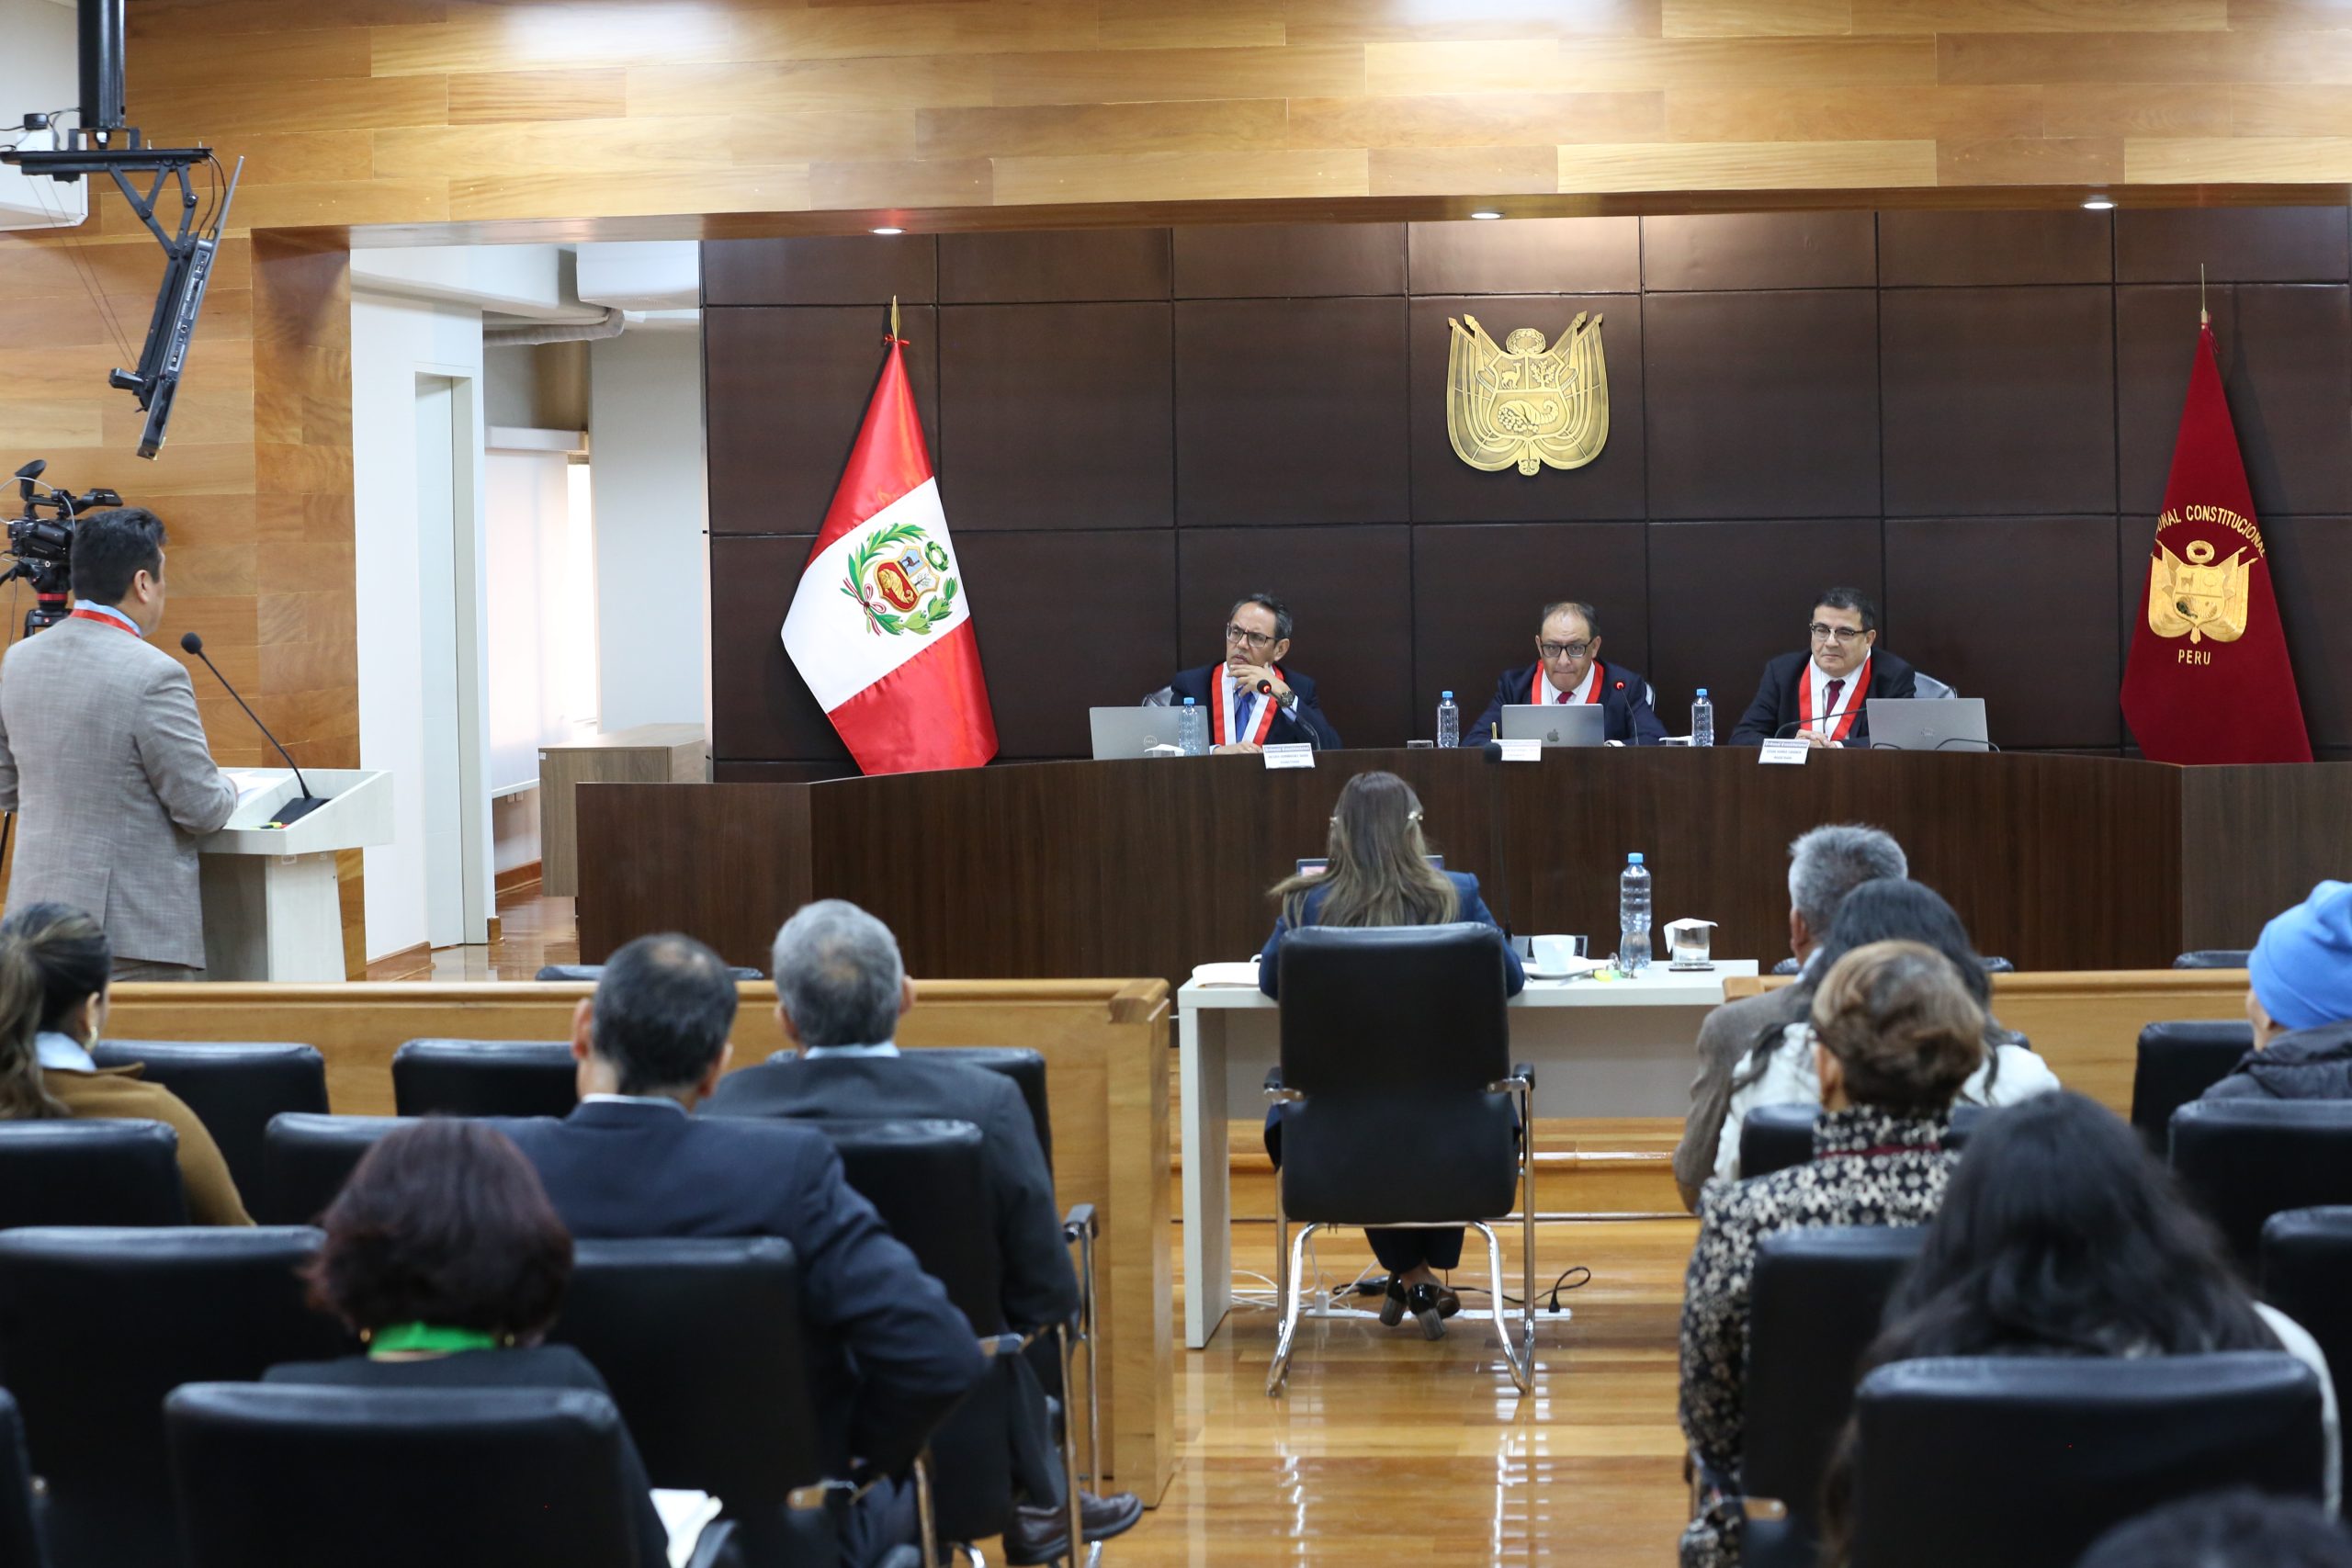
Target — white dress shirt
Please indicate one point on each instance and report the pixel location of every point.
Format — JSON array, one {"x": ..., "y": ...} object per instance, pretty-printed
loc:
[
  {"x": 1583, "y": 694},
  {"x": 1824, "y": 717},
  {"x": 61, "y": 1054},
  {"x": 886, "y": 1048}
]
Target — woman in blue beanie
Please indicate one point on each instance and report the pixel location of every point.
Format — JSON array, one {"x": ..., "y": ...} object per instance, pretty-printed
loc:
[{"x": 2300, "y": 1004}]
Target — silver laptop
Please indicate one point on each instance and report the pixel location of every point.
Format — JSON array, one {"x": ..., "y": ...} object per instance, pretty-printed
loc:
[
  {"x": 1927, "y": 723},
  {"x": 1131, "y": 731},
  {"x": 1560, "y": 724}
]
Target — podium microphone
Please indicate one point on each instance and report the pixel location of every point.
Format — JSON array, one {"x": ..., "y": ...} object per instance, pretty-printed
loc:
[{"x": 293, "y": 810}]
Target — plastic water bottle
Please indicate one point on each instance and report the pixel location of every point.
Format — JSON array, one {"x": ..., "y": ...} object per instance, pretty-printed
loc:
[
  {"x": 1702, "y": 720},
  {"x": 1634, "y": 917},
  {"x": 1449, "y": 721},
  {"x": 1192, "y": 729}
]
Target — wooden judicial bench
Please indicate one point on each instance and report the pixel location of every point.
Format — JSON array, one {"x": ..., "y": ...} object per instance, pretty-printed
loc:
[{"x": 1106, "y": 1044}]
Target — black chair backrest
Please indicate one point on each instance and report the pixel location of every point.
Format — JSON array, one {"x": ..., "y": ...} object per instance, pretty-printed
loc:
[
  {"x": 2025, "y": 1460},
  {"x": 1774, "y": 1138},
  {"x": 592, "y": 973},
  {"x": 2244, "y": 1160},
  {"x": 234, "y": 1089},
  {"x": 648, "y": 1314},
  {"x": 1026, "y": 1067},
  {"x": 484, "y": 1077},
  {"x": 2177, "y": 1061},
  {"x": 305, "y": 1162},
  {"x": 20, "y": 1542},
  {"x": 97, "y": 1325},
  {"x": 90, "y": 1173},
  {"x": 2213, "y": 958},
  {"x": 275, "y": 1477},
  {"x": 1816, "y": 1303},
  {"x": 2307, "y": 1274},
  {"x": 1393, "y": 1033}
]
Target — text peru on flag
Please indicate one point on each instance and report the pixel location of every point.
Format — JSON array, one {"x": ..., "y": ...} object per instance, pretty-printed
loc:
[{"x": 881, "y": 626}]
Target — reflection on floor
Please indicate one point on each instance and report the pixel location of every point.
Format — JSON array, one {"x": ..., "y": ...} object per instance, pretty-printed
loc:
[{"x": 533, "y": 931}]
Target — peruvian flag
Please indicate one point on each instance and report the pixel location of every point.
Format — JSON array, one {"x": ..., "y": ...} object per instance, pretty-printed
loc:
[
  {"x": 2207, "y": 679},
  {"x": 881, "y": 626}
]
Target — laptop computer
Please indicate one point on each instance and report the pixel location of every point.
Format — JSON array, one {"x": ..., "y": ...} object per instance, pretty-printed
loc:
[
  {"x": 1131, "y": 731},
  {"x": 1927, "y": 723},
  {"x": 1561, "y": 724}
]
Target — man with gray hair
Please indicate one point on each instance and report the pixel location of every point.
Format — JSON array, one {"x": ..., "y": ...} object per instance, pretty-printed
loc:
[
  {"x": 1825, "y": 865},
  {"x": 841, "y": 988}
]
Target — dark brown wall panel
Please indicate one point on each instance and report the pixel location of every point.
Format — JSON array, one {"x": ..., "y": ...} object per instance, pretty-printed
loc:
[
  {"x": 760, "y": 709},
  {"x": 2233, "y": 244},
  {"x": 1947, "y": 249},
  {"x": 1036, "y": 596},
  {"x": 1021, "y": 268},
  {"x": 786, "y": 390},
  {"x": 1542, "y": 256},
  {"x": 1998, "y": 401},
  {"x": 833, "y": 269},
  {"x": 1351, "y": 596},
  {"x": 1726, "y": 597},
  {"x": 2017, "y": 611},
  {"x": 1762, "y": 404},
  {"x": 1279, "y": 259},
  {"x": 2311, "y": 563},
  {"x": 1060, "y": 415},
  {"x": 1447, "y": 490},
  {"x": 1478, "y": 588},
  {"x": 1290, "y": 411},
  {"x": 1761, "y": 250}
]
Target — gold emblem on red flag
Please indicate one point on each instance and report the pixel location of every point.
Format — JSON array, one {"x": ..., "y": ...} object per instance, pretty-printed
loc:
[
  {"x": 1521, "y": 404},
  {"x": 2198, "y": 597}
]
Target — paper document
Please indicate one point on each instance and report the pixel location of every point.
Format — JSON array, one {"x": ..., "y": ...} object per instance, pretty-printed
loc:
[
  {"x": 249, "y": 781},
  {"x": 1243, "y": 973},
  {"x": 684, "y": 1515}
]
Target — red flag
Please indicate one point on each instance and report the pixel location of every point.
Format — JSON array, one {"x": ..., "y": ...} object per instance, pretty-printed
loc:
[
  {"x": 881, "y": 626},
  {"x": 2209, "y": 679}
]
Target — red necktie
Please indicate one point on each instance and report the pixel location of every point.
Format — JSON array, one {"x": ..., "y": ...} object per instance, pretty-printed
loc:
[
  {"x": 1829, "y": 697},
  {"x": 1561, "y": 698}
]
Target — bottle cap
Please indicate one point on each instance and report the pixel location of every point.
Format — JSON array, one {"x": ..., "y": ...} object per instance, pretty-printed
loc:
[
  {"x": 1702, "y": 691},
  {"x": 1633, "y": 859},
  {"x": 1188, "y": 701},
  {"x": 1447, "y": 695}
]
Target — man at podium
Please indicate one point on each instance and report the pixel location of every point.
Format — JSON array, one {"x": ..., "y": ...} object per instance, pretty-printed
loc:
[{"x": 103, "y": 758}]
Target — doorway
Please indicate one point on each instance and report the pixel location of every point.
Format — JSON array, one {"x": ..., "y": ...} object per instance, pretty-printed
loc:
[{"x": 450, "y": 601}]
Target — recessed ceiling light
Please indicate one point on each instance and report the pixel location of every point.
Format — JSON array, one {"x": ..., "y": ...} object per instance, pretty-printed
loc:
[
  {"x": 1485, "y": 212},
  {"x": 888, "y": 229},
  {"x": 2098, "y": 203}
]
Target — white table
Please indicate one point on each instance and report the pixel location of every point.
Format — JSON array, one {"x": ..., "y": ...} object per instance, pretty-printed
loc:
[{"x": 1599, "y": 1047}]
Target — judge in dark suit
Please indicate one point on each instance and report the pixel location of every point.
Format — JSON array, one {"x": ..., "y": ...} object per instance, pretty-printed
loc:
[
  {"x": 1241, "y": 717},
  {"x": 1818, "y": 696},
  {"x": 633, "y": 1161},
  {"x": 1569, "y": 668},
  {"x": 841, "y": 988}
]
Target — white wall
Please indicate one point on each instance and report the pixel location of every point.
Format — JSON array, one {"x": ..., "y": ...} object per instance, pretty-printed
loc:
[
  {"x": 653, "y": 556},
  {"x": 38, "y": 74}
]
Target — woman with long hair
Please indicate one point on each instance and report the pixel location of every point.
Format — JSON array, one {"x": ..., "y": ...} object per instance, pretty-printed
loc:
[
  {"x": 1379, "y": 874},
  {"x": 1778, "y": 1069},
  {"x": 55, "y": 967}
]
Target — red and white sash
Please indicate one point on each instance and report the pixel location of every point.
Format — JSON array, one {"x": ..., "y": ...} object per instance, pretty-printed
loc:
[
  {"x": 1600, "y": 677},
  {"x": 1850, "y": 701},
  {"x": 1221, "y": 723}
]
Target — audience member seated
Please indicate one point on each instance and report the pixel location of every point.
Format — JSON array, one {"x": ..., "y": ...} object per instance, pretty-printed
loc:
[
  {"x": 442, "y": 1254},
  {"x": 1380, "y": 874},
  {"x": 2225, "y": 1529},
  {"x": 841, "y": 989},
  {"x": 55, "y": 969},
  {"x": 2061, "y": 1236},
  {"x": 1779, "y": 1070},
  {"x": 1896, "y": 1030},
  {"x": 2299, "y": 997},
  {"x": 1824, "y": 866},
  {"x": 633, "y": 1160}
]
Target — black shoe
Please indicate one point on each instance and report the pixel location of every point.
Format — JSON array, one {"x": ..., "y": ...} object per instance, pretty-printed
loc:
[
  {"x": 1448, "y": 1303},
  {"x": 1392, "y": 1306},
  {"x": 1042, "y": 1535},
  {"x": 1422, "y": 1301}
]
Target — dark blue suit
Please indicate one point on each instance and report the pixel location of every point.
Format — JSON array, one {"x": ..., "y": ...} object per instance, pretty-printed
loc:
[
  {"x": 1398, "y": 1250},
  {"x": 1305, "y": 724},
  {"x": 1624, "y": 703},
  {"x": 1774, "y": 714}
]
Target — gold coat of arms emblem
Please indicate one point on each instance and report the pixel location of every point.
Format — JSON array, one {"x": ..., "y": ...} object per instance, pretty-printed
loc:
[
  {"x": 2198, "y": 596},
  {"x": 1520, "y": 403}
]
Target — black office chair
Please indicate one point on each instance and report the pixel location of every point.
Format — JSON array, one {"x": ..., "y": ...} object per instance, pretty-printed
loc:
[
  {"x": 2177, "y": 1061},
  {"x": 90, "y": 1173},
  {"x": 1396, "y": 1038},
  {"x": 306, "y": 1161},
  {"x": 20, "y": 1507},
  {"x": 2213, "y": 958},
  {"x": 1026, "y": 1067},
  {"x": 234, "y": 1089},
  {"x": 592, "y": 973},
  {"x": 2307, "y": 1274},
  {"x": 485, "y": 1078},
  {"x": 2025, "y": 1460},
  {"x": 97, "y": 1325},
  {"x": 1816, "y": 1303},
  {"x": 285, "y": 1477},
  {"x": 2244, "y": 1160},
  {"x": 1774, "y": 1138}
]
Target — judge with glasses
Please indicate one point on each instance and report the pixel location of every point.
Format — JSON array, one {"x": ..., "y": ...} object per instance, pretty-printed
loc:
[
  {"x": 1818, "y": 696},
  {"x": 1569, "y": 668},
  {"x": 1254, "y": 699}
]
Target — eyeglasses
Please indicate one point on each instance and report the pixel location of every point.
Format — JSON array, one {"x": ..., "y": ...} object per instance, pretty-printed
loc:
[
  {"x": 1562, "y": 649},
  {"x": 1843, "y": 633},
  {"x": 1255, "y": 640}
]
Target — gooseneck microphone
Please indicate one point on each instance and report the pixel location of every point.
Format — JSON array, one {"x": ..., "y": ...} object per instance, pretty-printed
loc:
[{"x": 293, "y": 810}]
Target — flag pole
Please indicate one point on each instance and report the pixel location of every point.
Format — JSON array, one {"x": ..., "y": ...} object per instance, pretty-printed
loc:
[
  {"x": 2203, "y": 320},
  {"x": 894, "y": 308}
]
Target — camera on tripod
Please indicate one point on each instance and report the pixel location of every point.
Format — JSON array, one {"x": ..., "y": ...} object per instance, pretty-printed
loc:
[{"x": 43, "y": 546}]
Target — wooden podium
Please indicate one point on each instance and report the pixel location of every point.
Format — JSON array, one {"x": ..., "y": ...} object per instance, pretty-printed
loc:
[{"x": 272, "y": 904}]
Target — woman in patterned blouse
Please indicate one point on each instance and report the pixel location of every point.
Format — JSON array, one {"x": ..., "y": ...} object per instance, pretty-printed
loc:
[{"x": 1896, "y": 1032}]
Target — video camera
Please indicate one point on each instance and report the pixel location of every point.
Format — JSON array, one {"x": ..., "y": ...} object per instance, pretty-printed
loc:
[{"x": 42, "y": 547}]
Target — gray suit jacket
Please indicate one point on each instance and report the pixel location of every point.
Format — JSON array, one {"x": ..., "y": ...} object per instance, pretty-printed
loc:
[{"x": 104, "y": 760}]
